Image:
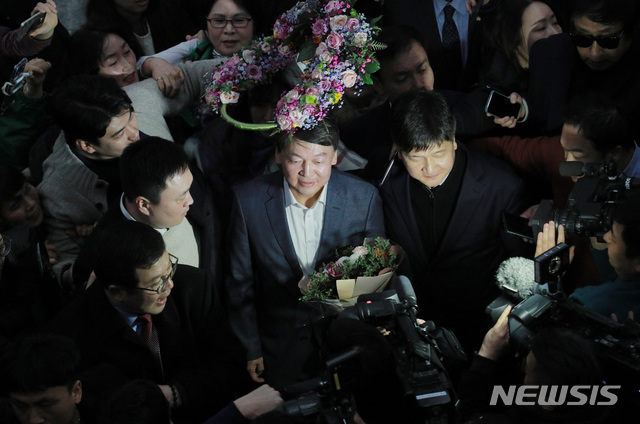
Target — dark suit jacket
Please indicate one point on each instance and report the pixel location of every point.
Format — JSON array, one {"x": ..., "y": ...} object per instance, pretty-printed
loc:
[
  {"x": 202, "y": 216},
  {"x": 199, "y": 352},
  {"x": 458, "y": 280},
  {"x": 264, "y": 272},
  {"x": 421, "y": 15}
]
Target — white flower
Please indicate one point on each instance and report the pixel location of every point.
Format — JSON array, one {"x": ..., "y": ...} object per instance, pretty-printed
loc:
[
  {"x": 338, "y": 22},
  {"x": 249, "y": 56},
  {"x": 227, "y": 97},
  {"x": 349, "y": 78}
]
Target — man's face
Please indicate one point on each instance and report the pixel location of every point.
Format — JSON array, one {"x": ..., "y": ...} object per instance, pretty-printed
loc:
[
  {"x": 56, "y": 405},
  {"x": 627, "y": 269},
  {"x": 174, "y": 204},
  {"x": 594, "y": 56},
  {"x": 140, "y": 302},
  {"x": 578, "y": 148},
  {"x": 22, "y": 209},
  {"x": 307, "y": 169},
  {"x": 431, "y": 166},
  {"x": 122, "y": 131},
  {"x": 409, "y": 71}
]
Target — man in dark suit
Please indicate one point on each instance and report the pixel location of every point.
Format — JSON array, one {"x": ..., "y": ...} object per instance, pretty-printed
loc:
[
  {"x": 138, "y": 320},
  {"x": 443, "y": 205},
  {"x": 457, "y": 72},
  {"x": 282, "y": 226},
  {"x": 161, "y": 190}
]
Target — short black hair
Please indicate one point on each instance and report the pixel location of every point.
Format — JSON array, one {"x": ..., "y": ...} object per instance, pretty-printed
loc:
[
  {"x": 83, "y": 107},
  {"x": 11, "y": 182},
  {"x": 564, "y": 358},
  {"x": 39, "y": 362},
  {"x": 85, "y": 48},
  {"x": 399, "y": 39},
  {"x": 325, "y": 133},
  {"x": 627, "y": 213},
  {"x": 147, "y": 164},
  {"x": 137, "y": 402},
  {"x": 421, "y": 119},
  {"x": 123, "y": 247},
  {"x": 607, "y": 12},
  {"x": 601, "y": 120}
]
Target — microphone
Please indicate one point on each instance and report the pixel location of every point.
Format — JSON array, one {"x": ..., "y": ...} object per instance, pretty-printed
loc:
[
  {"x": 405, "y": 292},
  {"x": 517, "y": 276},
  {"x": 571, "y": 169}
]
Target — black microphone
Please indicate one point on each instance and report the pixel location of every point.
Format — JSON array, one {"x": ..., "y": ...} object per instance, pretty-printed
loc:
[
  {"x": 405, "y": 291},
  {"x": 572, "y": 169}
]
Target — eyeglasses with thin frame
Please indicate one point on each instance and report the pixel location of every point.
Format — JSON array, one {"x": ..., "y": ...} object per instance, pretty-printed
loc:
[
  {"x": 5, "y": 246},
  {"x": 240, "y": 22},
  {"x": 608, "y": 42},
  {"x": 164, "y": 279}
]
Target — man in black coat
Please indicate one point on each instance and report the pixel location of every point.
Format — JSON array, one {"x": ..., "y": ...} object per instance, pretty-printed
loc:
[
  {"x": 191, "y": 354},
  {"x": 443, "y": 206}
]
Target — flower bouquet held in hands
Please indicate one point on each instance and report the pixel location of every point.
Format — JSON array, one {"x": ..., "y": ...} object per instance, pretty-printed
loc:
[{"x": 357, "y": 270}]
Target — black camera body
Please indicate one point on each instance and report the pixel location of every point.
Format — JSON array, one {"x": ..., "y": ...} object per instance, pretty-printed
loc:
[{"x": 589, "y": 207}]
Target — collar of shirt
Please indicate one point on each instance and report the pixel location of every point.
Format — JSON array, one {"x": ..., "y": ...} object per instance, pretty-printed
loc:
[
  {"x": 289, "y": 200},
  {"x": 633, "y": 168},
  {"x": 127, "y": 215},
  {"x": 129, "y": 318},
  {"x": 459, "y": 5}
]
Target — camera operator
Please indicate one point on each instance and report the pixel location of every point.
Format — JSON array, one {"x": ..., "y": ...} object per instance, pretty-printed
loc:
[
  {"x": 622, "y": 294},
  {"x": 557, "y": 357}
]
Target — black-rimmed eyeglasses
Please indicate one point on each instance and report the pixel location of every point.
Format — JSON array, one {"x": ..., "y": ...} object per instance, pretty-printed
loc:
[
  {"x": 164, "y": 279},
  {"x": 235, "y": 22},
  {"x": 608, "y": 42},
  {"x": 5, "y": 246}
]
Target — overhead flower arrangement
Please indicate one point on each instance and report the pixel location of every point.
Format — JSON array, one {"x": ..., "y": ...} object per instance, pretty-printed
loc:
[{"x": 336, "y": 47}]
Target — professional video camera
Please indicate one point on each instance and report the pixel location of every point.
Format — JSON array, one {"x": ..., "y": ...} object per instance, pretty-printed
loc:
[
  {"x": 588, "y": 209},
  {"x": 540, "y": 303},
  {"x": 418, "y": 351}
]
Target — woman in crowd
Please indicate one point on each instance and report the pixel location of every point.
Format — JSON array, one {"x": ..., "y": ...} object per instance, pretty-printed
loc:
[{"x": 511, "y": 32}]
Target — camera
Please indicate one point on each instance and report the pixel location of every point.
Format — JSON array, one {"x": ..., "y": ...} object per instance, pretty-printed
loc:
[{"x": 589, "y": 207}]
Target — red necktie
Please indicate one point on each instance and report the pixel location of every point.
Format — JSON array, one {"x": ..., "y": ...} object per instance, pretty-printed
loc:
[{"x": 149, "y": 336}]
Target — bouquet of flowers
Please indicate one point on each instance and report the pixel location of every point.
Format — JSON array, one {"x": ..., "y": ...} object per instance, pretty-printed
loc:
[
  {"x": 358, "y": 270},
  {"x": 333, "y": 42}
]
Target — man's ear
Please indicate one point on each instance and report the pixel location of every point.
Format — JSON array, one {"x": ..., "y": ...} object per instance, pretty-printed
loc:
[
  {"x": 143, "y": 205},
  {"x": 76, "y": 392},
  {"x": 116, "y": 293},
  {"x": 616, "y": 154},
  {"x": 85, "y": 146}
]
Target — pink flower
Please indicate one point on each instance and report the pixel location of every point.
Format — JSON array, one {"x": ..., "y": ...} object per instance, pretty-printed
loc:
[
  {"x": 313, "y": 91},
  {"x": 297, "y": 117},
  {"x": 384, "y": 271},
  {"x": 284, "y": 123},
  {"x": 309, "y": 109},
  {"x": 324, "y": 85},
  {"x": 292, "y": 96},
  {"x": 349, "y": 78},
  {"x": 227, "y": 97},
  {"x": 361, "y": 250},
  {"x": 254, "y": 72},
  {"x": 338, "y": 22},
  {"x": 334, "y": 270},
  {"x": 316, "y": 74},
  {"x": 360, "y": 39},
  {"x": 322, "y": 47},
  {"x": 334, "y": 40},
  {"x": 333, "y": 6},
  {"x": 265, "y": 47},
  {"x": 352, "y": 24},
  {"x": 326, "y": 57},
  {"x": 319, "y": 27}
]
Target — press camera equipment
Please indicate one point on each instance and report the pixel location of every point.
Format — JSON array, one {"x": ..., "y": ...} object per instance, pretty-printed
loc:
[
  {"x": 587, "y": 212},
  {"x": 329, "y": 396}
]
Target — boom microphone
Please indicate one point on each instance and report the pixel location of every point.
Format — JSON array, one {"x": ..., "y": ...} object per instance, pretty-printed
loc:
[
  {"x": 405, "y": 291},
  {"x": 571, "y": 169}
]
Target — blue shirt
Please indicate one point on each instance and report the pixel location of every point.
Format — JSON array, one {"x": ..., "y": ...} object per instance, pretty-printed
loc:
[
  {"x": 461, "y": 19},
  {"x": 618, "y": 297}
]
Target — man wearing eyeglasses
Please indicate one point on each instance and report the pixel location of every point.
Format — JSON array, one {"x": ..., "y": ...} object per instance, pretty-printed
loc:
[
  {"x": 147, "y": 317},
  {"x": 600, "y": 53}
]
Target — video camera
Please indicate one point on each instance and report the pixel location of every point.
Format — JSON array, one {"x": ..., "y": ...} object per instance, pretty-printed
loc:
[
  {"x": 588, "y": 209},
  {"x": 418, "y": 351},
  {"x": 544, "y": 304}
]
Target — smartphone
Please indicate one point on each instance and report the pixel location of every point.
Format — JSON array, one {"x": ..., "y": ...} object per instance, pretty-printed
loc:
[
  {"x": 499, "y": 105},
  {"x": 517, "y": 225},
  {"x": 31, "y": 24}
]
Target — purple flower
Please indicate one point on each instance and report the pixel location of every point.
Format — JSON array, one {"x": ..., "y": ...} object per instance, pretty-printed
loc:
[
  {"x": 319, "y": 27},
  {"x": 352, "y": 24},
  {"x": 254, "y": 72}
]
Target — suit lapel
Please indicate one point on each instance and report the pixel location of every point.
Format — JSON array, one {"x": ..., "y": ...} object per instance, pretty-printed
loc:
[
  {"x": 278, "y": 220},
  {"x": 333, "y": 216},
  {"x": 402, "y": 192}
]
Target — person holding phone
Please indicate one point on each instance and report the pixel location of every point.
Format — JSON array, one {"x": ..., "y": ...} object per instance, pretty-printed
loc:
[{"x": 15, "y": 44}]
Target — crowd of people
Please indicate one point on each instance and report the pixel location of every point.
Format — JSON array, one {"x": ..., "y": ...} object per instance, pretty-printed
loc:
[{"x": 150, "y": 255}]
